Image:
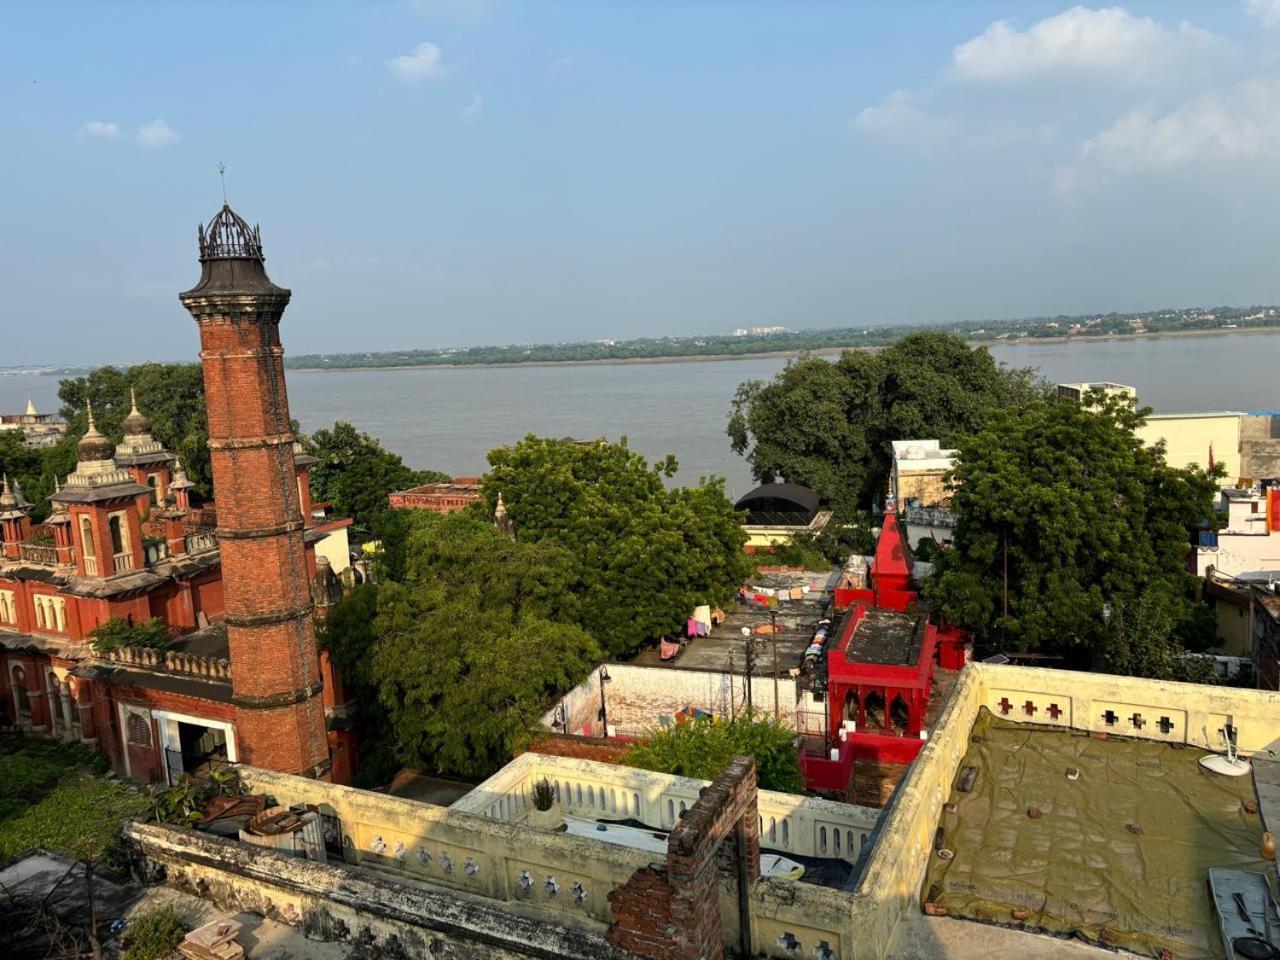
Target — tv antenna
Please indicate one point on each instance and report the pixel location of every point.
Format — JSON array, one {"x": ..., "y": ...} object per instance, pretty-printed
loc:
[{"x": 222, "y": 175}]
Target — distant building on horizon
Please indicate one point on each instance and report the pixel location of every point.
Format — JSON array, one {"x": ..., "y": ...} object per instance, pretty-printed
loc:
[{"x": 40, "y": 429}]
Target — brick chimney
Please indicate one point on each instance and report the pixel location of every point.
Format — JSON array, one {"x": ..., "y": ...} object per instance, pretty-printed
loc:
[{"x": 275, "y": 673}]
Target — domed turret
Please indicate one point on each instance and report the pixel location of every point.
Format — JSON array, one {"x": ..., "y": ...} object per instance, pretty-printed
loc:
[
  {"x": 231, "y": 260},
  {"x": 7, "y": 500},
  {"x": 135, "y": 424},
  {"x": 93, "y": 445}
]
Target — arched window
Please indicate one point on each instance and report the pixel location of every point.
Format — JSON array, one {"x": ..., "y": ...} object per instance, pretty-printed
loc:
[
  {"x": 117, "y": 535},
  {"x": 139, "y": 730},
  {"x": 55, "y": 701},
  {"x": 153, "y": 481},
  {"x": 86, "y": 536},
  {"x": 20, "y": 698}
]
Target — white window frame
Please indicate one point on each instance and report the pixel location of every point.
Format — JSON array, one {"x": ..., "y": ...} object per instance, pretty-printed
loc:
[{"x": 167, "y": 722}]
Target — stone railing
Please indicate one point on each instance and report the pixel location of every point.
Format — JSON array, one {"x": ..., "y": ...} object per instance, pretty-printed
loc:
[
  {"x": 38, "y": 553},
  {"x": 201, "y": 542},
  {"x": 171, "y": 661},
  {"x": 122, "y": 561},
  {"x": 91, "y": 566},
  {"x": 807, "y": 826}
]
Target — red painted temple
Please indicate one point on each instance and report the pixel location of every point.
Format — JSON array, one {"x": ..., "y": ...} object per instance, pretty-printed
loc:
[{"x": 880, "y": 666}]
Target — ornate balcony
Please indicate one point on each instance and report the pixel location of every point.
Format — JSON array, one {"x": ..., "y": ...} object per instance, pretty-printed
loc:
[{"x": 38, "y": 553}]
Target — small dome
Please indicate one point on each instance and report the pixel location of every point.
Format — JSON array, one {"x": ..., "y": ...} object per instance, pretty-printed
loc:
[
  {"x": 7, "y": 498},
  {"x": 135, "y": 424},
  {"x": 93, "y": 445}
]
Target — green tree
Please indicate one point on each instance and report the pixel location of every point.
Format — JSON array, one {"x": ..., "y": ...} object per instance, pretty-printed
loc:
[
  {"x": 170, "y": 394},
  {"x": 645, "y": 555},
  {"x": 701, "y": 747},
  {"x": 29, "y": 468},
  {"x": 829, "y": 426},
  {"x": 464, "y": 655},
  {"x": 1143, "y": 643},
  {"x": 356, "y": 472},
  {"x": 1082, "y": 514}
]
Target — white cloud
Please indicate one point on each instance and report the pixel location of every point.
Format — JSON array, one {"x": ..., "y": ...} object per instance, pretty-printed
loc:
[
  {"x": 1267, "y": 12},
  {"x": 1239, "y": 124},
  {"x": 99, "y": 130},
  {"x": 156, "y": 134},
  {"x": 1109, "y": 44},
  {"x": 471, "y": 112},
  {"x": 901, "y": 118},
  {"x": 559, "y": 66},
  {"x": 424, "y": 62}
]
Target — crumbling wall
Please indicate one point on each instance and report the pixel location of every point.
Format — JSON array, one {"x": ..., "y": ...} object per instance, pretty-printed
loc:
[
  {"x": 723, "y": 826},
  {"x": 398, "y": 919}
]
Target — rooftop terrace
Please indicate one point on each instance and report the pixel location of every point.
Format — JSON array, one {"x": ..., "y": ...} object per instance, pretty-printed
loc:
[{"x": 1106, "y": 840}]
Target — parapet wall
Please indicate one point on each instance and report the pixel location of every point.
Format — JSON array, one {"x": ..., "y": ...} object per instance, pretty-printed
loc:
[
  {"x": 563, "y": 879},
  {"x": 808, "y": 826},
  {"x": 636, "y": 697},
  {"x": 1149, "y": 709}
]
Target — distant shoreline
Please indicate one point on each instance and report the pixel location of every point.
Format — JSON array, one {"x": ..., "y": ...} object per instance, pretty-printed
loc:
[{"x": 775, "y": 354}]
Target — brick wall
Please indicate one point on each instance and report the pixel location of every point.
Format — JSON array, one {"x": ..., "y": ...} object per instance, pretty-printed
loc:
[{"x": 672, "y": 912}]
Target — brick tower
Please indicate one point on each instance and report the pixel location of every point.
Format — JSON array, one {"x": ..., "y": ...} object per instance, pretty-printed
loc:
[{"x": 275, "y": 672}]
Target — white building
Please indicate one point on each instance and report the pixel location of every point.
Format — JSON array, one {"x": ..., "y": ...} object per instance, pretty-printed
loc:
[{"x": 1249, "y": 542}]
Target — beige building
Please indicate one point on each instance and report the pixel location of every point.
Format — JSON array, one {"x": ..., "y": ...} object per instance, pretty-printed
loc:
[
  {"x": 919, "y": 467},
  {"x": 1190, "y": 438}
]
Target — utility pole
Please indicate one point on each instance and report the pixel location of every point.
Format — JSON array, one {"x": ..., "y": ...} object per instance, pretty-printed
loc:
[
  {"x": 1006, "y": 574},
  {"x": 774, "y": 639},
  {"x": 751, "y": 668}
]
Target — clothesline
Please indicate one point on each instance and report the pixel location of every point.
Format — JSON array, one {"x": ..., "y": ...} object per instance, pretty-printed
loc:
[{"x": 771, "y": 596}]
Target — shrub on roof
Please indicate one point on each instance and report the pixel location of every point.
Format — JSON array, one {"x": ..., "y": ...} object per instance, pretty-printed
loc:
[{"x": 701, "y": 747}]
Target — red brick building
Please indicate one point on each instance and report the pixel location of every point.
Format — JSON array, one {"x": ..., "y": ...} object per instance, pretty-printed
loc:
[
  {"x": 237, "y": 582},
  {"x": 438, "y": 497}
]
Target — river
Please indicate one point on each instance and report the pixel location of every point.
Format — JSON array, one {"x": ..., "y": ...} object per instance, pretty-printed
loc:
[{"x": 447, "y": 419}]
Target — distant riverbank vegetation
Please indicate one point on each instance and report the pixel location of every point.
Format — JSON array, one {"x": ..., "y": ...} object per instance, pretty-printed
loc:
[{"x": 744, "y": 343}]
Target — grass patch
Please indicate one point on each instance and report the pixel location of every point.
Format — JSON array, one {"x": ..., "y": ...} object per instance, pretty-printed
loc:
[
  {"x": 154, "y": 934},
  {"x": 55, "y": 795}
]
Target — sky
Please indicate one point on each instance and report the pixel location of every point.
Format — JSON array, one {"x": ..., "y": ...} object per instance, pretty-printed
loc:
[{"x": 466, "y": 172}]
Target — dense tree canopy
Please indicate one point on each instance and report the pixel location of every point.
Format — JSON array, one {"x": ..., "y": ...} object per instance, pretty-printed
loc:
[
  {"x": 356, "y": 472},
  {"x": 461, "y": 658},
  {"x": 644, "y": 555},
  {"x": 829, "y": 426},
  {"x": 1088, "y": 517}
]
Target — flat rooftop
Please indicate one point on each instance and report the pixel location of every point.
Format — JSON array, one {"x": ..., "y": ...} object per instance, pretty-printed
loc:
[
  {"x": 1118, "y": 856},
  {"x": 886, "y": 638},
  {"x": 797, "y": 621}
]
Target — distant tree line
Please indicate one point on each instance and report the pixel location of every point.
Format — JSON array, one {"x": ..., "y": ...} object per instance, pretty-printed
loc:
[{"x": 1166, "y": 320}]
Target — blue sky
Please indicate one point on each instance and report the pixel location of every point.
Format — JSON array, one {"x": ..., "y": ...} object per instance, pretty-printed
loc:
[{"x": 441, "y": 173}]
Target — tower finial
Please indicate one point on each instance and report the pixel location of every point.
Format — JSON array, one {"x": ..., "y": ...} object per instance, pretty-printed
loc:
[
  {"x": 88, "y": 404},
  {"x": 133, "y": 400},
  {"x": 222, "y": 175}
]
